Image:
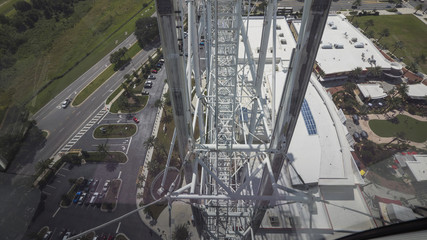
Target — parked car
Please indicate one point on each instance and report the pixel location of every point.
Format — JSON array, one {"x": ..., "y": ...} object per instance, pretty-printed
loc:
[
  {"x": 87, "y": 200},
  {"x": 159, "y": 65},
  {"x": 65, "y": 103},
  {"x": 93, "y": 199},
  {"x": 355, "y": 119},
  {"x": 152, "y": 77},
  {"x": 145, "y": 92},
  {"x": 153, "y": 71},
  {"x": 162, "y": 61},
  {"x": 364, "y": 134},
  {"x": 82, "y": 198},
  {"x": 77, "y": 197},
  {"x": 47, "y": 235},
  {"x": 148, "y": 84},
  {"x": 94, "y": 185},
  {"x": 106, "y": 184},
  {"x": 356, "y": 136},
  {"x": 135, "y": 119},
  {"x": 67, "y": 235}
]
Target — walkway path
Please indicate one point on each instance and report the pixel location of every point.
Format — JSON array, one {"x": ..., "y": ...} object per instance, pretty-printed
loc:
[{"x": 377, "y": 139}]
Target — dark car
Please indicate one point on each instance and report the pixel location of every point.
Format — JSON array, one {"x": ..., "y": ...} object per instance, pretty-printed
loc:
[
  {"x": 145, "y": 93},
  {"x": 364, "y": 134},
  {"x": 151, "y": 77},
  {"x": 355, "y": 119},
  {"x": 135, "y": 119},
  {"x": 356, "y": 136}
]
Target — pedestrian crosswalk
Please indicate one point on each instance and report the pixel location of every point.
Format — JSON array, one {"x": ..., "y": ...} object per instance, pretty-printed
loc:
[{"x": 82, "y": 131}]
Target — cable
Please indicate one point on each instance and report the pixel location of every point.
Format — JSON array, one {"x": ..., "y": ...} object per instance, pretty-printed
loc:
[{"x": 114, "y": 220}]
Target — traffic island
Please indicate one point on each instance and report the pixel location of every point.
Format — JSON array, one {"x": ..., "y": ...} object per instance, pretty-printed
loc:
[
  {"x": 111, "y": 198},
  {"x": 67, "y": 198},
  {"x": 115, "y": 131}
]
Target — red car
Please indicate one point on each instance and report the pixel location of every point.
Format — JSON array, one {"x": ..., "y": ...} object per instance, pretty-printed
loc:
[
  {"x": 153, "y": 71},
  {"x": 135, "y": 120}
]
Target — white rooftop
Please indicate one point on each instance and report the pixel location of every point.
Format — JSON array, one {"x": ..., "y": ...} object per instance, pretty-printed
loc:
[
  {"x": 417, "y": 91},
  {"x": 372, "y": 90},
  {"x": 338, "y": 52},
  {"x": 418, "y": 167}
]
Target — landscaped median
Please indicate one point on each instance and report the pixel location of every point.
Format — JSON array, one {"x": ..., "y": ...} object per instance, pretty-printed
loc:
[
  {"x": 110, "y": 200},
  {"x": 115, "y": 131},
  {"x": 104, "y": 76},
  {"x": 67, "y": 198}
]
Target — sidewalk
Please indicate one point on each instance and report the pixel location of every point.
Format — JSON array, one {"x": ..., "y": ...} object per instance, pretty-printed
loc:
[{"x": 180, "y": 212}]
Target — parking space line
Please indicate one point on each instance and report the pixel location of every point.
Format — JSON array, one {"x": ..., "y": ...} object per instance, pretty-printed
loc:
[
  {"x": 118, "y": 227},
  {"x": 51, "y": 186},
  {"x": 46, "y": 193},
  {"x": 62, "y": 175},
  {"x": 56, "y": 212},
  {"x": 120, "y": 173}
]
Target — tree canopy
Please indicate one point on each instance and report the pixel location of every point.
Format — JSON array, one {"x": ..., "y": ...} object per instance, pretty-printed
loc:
[{"x": 147, "y": 30}]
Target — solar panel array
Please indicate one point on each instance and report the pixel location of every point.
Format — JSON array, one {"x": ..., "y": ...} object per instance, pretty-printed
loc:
[{"x": 308, "y": 118}]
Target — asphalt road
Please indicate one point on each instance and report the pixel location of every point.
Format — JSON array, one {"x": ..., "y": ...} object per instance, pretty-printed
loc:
[
  {"x": 62, "y": 123},
  {"x": 79, "y": 218},
  {"x": 338, "y": 5}
]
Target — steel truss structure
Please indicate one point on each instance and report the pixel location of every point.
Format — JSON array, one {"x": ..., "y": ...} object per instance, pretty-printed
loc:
[{"x": 231, "y": 170}]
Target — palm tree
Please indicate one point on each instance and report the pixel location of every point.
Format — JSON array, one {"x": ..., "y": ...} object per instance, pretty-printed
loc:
[
  {"x": 418, "y": 8},
  {"x": 403, "y": 90},
  {"x": 413, "y": 67},
  {"x": 375, "y": 72},
  {"x": 397, "y": 45},
  {"x": 357, "y": 3},
  {"x": 43, "y": 164},
  {"x": 349, "y": 87},
  {"x": 355, "y": 73},
  {"x": 370, "y": 34},
  {"x": 150, "y": 142},
  {"x": 181, "y": 232},
  {"x": 103, "y": 149},
  {"x": 384, "y": 33},
  {"x": 369, "y": 23}
]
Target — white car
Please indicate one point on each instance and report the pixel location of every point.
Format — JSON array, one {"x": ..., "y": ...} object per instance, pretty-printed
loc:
[
  {"x": 151, "y": 77},
  {"x": 105, "y": 188},
  {"x": 65, "y": 103}
]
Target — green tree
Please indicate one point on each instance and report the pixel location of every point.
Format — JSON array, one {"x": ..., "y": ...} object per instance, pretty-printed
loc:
[
  {"x": 43, "y": 164},
  {"x": 370, "y": 34},
  {"x": 375, "y": 72},
  {"x": 147, "y": 30},
  {"x": 22, "y": 6},
  {"x": 150, "y": 142},
  {"x": 397, "y": 45},
  {"x": 103, "y": 149},
  {"x": 403, "y": 90},
  {"x": 181, "y": 232},
  {"x": 357, "y": 3},
  {"x": 413, "y": 67},
  {"x": 384, "y": 33},
  {"x": 369, "y": 23},
  {"x": 349, "y": 87},
  {"x": 418, "y": 8},
  {"x": 355, "y": 73}
]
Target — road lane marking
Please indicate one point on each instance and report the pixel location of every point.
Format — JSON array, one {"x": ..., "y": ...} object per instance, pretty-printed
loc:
[
  {"x": 127, "y": 150},
  {"x": 56, "y": 212},
  {"x": 118, "y": 227},
  {"x": 120, "y": 173},
  {"x": 62, "y": 129}
]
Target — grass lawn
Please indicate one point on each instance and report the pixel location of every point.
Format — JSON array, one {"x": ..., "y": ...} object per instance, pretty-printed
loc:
[
  {"x": 104, "y": 76},
  {"x": 110, "y": 198},
  {"x": 132, "y": 107},
  {"x": 6, "y": 6},
  {"x": 89, "y": 89},
  {"x": 66, "y": 49},
  {"x": 116, "y": 157},
  {"x": 406, "y": 28},
  {"x": 115, "y": 131},
  {"x": 412, "y": 129}
]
